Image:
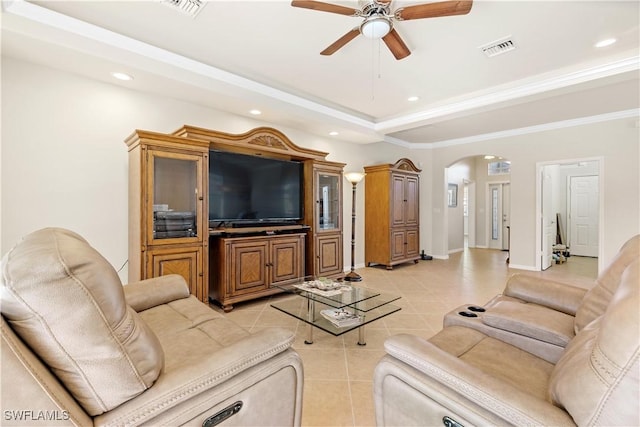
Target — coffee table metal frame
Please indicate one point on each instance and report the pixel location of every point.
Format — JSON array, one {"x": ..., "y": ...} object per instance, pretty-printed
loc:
[{"x": 368, "y": 304}]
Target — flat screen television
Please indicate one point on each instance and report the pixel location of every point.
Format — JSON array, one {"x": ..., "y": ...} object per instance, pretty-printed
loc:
[{"x": 246, "y": 189}]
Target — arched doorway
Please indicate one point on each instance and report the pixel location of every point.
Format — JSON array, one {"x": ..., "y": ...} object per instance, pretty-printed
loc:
[{"x": 478, "y": 214}]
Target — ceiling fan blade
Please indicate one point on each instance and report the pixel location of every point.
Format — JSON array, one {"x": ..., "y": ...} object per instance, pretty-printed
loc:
[
  {"x": 341, "y": 42},
  {"x": 433, "y": 10},
  {"x": 325, "y": 7},
  {"x": 396, "y": 45}
]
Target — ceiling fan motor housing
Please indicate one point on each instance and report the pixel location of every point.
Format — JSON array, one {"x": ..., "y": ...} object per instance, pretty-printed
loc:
[{"x": 371, "y": 7}]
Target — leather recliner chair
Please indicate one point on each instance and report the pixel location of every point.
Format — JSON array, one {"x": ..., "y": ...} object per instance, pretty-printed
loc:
[
  {"x": 78, "y": 348},
  {"x": 462, "y": 376},
  {"x": 542, "y": 316}
]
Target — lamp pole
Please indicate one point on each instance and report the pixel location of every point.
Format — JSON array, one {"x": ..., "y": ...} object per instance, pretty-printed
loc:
[{"x": 354, "y": 178}]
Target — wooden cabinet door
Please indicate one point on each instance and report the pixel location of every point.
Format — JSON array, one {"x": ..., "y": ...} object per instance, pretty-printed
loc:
[
  {"x": 286, "y": 259},
  {"x": 248, "y": 269},
  {"x": 413, "y": 243},
  {"x": 184, "y": 261},
  {"x": 397, "y": 244},
  {"x": 329, "y": 255},
  {"x": 412, "y": 203},
  {"x": 397, "y": 200}
]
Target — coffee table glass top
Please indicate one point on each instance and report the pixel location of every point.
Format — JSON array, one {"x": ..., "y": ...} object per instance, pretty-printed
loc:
[{"x": 315, "y": 303}]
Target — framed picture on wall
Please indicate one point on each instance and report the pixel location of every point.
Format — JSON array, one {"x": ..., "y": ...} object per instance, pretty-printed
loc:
[{"x": 452, "y": 195}]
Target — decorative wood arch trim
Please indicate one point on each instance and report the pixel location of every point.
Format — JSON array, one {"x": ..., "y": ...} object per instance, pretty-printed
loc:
[
  {"x": 406, "y": 165},
  {"x": 259, "y": 140},
  {"x": 403, "y": 164}
]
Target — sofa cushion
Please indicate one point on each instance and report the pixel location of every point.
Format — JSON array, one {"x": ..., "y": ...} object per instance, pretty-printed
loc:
[
  {"x": 67, "y": 303},
  {"x": 531, "y": 320},
  {"x": 597, "y": 298},
  {"x": 597, "y": 377},
  {"x": 496, "y": 359}
]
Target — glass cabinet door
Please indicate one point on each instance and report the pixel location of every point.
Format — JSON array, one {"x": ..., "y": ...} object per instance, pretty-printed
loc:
[
  {"x": 175, "y": 192},
  {"x": 328, "y": 197}
]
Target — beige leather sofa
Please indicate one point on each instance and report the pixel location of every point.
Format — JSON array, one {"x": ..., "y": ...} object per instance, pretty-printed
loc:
[
  {"x": 542, "y": 316},
  {"x": 78, "y": 348},
  {"x": 462, "y": 376}
]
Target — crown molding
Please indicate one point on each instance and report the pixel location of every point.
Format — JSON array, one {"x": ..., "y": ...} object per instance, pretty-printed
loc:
[
  {"x": 625, "y": 114},
  {"x": 631, "y": 63}
]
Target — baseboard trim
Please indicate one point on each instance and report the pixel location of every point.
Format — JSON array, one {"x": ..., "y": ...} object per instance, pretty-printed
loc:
[
  {"x": 522, "y": 267},
  {"x": 453, "y": 251}
]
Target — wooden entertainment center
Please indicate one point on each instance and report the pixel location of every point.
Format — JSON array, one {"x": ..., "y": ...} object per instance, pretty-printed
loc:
[{"x": 170, "y": 231}]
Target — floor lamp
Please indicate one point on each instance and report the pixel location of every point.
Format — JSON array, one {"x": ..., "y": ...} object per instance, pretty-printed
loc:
[{"x": 354, "y": 178}]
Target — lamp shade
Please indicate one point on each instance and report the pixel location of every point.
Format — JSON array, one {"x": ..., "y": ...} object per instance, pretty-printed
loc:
[
  {"x": 375, "y": 27},
  {"x": 354, "y": 177}
]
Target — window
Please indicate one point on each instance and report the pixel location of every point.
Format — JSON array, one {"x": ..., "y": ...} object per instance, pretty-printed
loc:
[
  {"x": 494, "y": 214},
  {"x": 499, "y": 168},
  {"x": 465, "y": 201}
]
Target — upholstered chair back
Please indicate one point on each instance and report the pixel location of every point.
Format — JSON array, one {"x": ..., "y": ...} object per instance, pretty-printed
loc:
[
  {"x": 597, "y": 298},
  {"x": 67, "y": 304},
  {"x": 596, "y": 379}
]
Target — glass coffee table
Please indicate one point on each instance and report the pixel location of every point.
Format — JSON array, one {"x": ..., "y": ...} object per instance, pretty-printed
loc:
[{"x": 334, "y": 307}]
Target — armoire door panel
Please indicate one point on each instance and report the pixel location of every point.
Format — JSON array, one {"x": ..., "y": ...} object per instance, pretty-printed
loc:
[
  {"x": 397, "y": 200},
  {"x": 412, "y": 202},
  {"x": 413, "y": 243},
  {"x": 398, "y": 244}
]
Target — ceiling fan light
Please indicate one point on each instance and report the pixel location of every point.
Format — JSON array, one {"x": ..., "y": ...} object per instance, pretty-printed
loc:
[{"x": 375, "y": 27}]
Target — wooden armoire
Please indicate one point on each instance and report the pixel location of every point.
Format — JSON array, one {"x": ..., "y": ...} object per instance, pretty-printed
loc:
[{"x": 392, "y": 213}]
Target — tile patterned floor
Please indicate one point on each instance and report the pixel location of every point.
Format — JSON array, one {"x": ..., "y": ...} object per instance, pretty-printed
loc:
[{"x": 338, "y": 372}]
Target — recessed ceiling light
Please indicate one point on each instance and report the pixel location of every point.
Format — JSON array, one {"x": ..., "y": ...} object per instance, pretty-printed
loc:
[
  {"x": 412, "y": 98},
  {"x": 121, "y": 76},
  {"x": 489, "y": 157},
  {"x": 255, "y": 112},
  {"x": 605, "y": 42},
  {"x": 333, "y": 133}
]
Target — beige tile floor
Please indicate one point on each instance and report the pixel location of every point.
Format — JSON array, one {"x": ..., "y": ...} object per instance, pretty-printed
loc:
[{"x": 338, "y": 372}]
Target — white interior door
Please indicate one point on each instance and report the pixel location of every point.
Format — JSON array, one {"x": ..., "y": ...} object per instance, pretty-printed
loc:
[
  {"x": 583, "y": 216},
  {"x": 548, "y": 220}
]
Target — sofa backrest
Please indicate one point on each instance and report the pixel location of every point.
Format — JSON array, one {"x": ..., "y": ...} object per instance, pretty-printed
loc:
[
  {"x": 597, "y": 378},
  {"x": 66, "y": 302},
  {"x": 597, "y": 298}
]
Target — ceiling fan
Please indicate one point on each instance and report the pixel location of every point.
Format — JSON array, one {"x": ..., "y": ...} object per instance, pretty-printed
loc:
[{"x": 378, "y": 20}]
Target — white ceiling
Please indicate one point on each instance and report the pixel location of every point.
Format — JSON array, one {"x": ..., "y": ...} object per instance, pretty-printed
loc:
[{"x": 240, "y": 55}]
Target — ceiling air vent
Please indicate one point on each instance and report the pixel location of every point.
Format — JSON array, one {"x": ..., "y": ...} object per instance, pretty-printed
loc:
[
  {"x": 498, "y": 47},
  {"x": 188, "y": 7}
]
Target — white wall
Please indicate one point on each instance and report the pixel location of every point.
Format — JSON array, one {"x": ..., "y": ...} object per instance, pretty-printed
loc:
[{"x": 64, "y": 163}]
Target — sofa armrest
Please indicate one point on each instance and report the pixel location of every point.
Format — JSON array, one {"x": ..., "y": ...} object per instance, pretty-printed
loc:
[
  {"x": 157, "y": 291},
  {"x": 491, "y": 393},
  {"x": 531, "y": 320},
  {"x": 193, "y": 387},
  {"x": 556, "y": 295}
]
